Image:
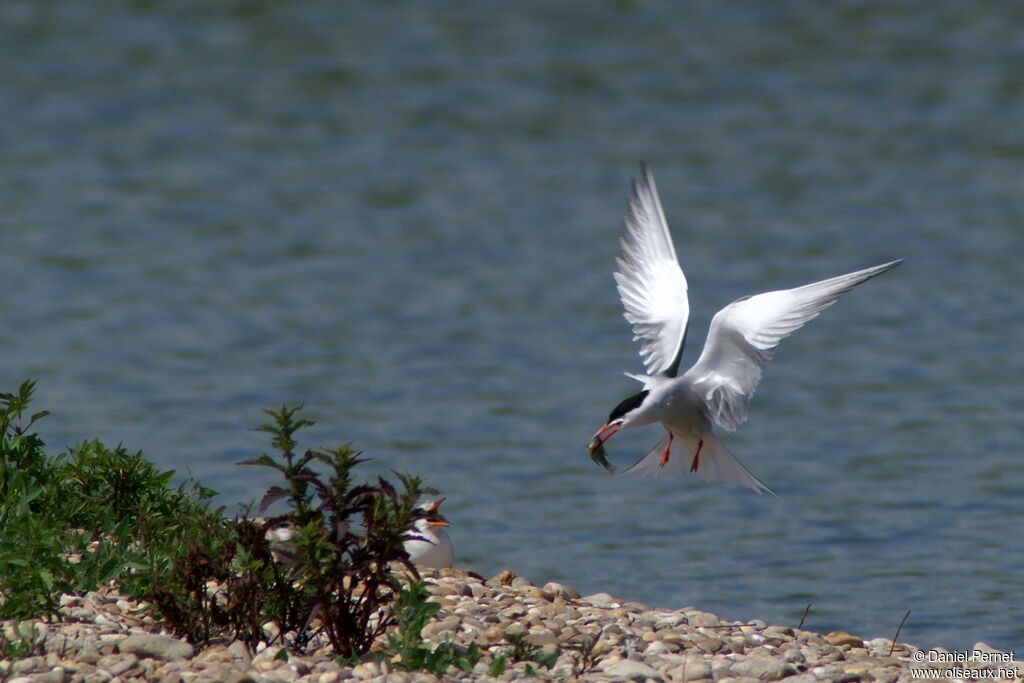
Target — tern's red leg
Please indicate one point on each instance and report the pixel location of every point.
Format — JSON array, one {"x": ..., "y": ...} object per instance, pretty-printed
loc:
[
  {"x": 664, "y": 456},
  {"x": 696, "y": 457}
]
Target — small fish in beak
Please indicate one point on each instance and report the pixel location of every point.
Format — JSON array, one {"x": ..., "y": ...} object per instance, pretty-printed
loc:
[
  {"x": 596, "y": 450},
  {"x": 596, "y": 446}
]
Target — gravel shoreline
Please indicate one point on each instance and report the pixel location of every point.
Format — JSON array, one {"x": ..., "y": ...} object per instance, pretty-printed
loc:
[{"x": 107, "y": 637}]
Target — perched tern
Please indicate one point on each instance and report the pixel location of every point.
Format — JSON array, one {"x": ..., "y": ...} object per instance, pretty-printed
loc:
[
  {"x": 741, "y": 340},
  {"x": 431, "y": 546}
]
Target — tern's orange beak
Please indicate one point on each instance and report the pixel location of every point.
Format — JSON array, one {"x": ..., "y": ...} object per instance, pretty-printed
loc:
[
  {"x": 606, "y": 432},
  {"x": 434, "y": 517}
]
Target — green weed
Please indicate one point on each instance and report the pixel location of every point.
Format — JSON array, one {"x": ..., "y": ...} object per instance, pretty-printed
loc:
[
  {"x": 77, "y": 521},
  {"x": 19, "y": 640},
  {"x": 525, "y": 651},
  {"x": 413, "y": 612}
]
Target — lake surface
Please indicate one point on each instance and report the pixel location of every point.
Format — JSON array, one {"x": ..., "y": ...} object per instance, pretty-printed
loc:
[{"x": 406, "y": 217}]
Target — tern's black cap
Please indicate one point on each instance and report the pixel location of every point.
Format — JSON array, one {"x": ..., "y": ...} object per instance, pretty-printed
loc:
[{"x": 629, "y": 404}]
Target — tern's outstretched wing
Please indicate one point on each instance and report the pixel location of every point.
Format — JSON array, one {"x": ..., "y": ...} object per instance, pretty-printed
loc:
[
  {"x": 744, "y": 335},
  {"x": 651, "y": 284}
]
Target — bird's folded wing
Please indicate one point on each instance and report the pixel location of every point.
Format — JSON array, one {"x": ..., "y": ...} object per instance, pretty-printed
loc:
[
  {"x": 650, "y": 282},
  {"x": 744, "y": 335}
]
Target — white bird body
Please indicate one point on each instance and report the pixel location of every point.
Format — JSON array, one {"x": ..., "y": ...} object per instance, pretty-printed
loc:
[
  {"x": 741, "y": 340},
  {"x": 435, "y": 550},
  {"x": 431, "y": 547}
]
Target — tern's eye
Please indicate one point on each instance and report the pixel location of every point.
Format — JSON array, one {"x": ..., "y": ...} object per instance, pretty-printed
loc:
[{"x": 629, "y": 404}]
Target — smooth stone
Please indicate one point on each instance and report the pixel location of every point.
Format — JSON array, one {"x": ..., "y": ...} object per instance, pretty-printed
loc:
[
  {"x": 55, "y": 675},
  {"x": 236, "y": 676},
  {"x": 672, "y": 621},
  {"x": 561, "y": 590},
  {"x": 103, "y": 620},
  {"x": 691, "y": 670},
  {"x": 542, "y": 639},
  {"x": 987, "y": 649},
  {"x": 161, "y": 647},
  {"x": 803, "y": 678},
  {"x": 840, "y": 638},
  {"x": 765, "y": 669},
  {"x": 267, "y": 659},
  {"x": 366, "y": 670},
  {"x": 431, "y": 630},
  {"x": 783, "y": 632},
  {"x": 632, "y": 670},
  {"x": 28, "y": 665},
  {"x": 886, "y": 675},
  {"x": 479, "y": 590},
  {"x": 657, "y": 648},
  {"x": 446, "y": 588},
  {"x": 117, "y": 664},
  {"x": 239, "y": 652},
  {"x": 709, "y": 644},
  {"x": 698, "y": 619},
  {"x": 270, "y": 631},
  {"x": 600, "y": 600},
  {"x": 504, "y": 578},
  {"x": 540, "y": 594},
  {"x": 464, "y": 574},
  {"x": 720, "y": 668}
]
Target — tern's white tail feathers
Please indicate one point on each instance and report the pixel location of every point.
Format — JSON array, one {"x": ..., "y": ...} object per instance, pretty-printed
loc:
[{"x": 715, "y": 463}]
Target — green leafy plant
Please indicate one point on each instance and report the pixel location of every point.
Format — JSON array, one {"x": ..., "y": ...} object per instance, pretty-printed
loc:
[
  {"x": 73, "y": 522},
  {"x": 230, "y": 585},
  {"x": 498, "y": 666},
  {"x": 18, "y": 640},
  {"x": 525, "y": 651},
  {"x": 346, "y": 536},
  {"x": 585, "y": 656},
  {"x": 413, "y": 612},
  {"x": 260, "y": 588},
  {"x": 408, "y": 649},
  {"x": 334, "y": 574},
  {"x": 185, "y": 601},
  {"x": 21, "y": 450}
]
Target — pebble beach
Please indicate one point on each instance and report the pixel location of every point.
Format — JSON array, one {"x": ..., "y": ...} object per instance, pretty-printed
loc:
[{"x": 103, "y": 636}]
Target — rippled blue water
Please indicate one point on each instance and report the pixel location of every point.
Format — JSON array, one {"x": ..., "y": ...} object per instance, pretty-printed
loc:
[{"x": 406, "y": 216}]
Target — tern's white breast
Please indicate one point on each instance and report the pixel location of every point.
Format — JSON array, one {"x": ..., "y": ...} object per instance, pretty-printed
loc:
[{"x": 435, "y": 550}]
